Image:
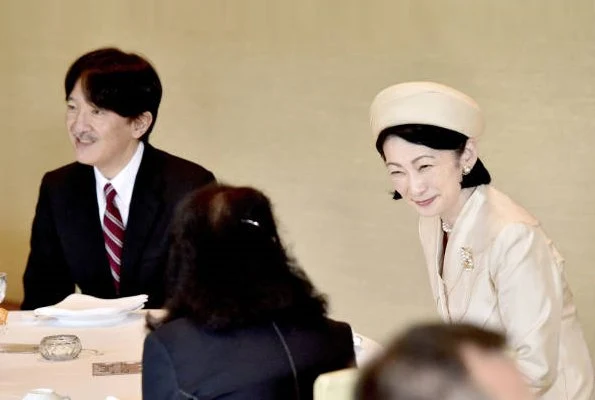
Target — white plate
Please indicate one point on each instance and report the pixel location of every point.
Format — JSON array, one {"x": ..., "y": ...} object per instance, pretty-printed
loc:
[
  {"x": 82, "y": 306},
  {"x": 79, "y": 310},
  {"x": 92, "y": 321}
]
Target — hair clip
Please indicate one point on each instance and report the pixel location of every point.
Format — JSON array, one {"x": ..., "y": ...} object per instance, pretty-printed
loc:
[{"x": 250, "y": 221}]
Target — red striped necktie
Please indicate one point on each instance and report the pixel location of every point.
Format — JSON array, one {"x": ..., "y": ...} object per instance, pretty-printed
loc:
[{"x": 113, "y": 233}]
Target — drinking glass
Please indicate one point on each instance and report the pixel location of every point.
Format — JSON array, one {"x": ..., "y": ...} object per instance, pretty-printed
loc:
[
  {"x": 2, "y": 286},
  {"x": 60, "y": 347},
  {"x": 3, "y": 313}
]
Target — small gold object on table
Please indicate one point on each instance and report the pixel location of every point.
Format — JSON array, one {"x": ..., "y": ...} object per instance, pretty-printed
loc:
[
  {"x": 3, "y": 319},
  {"x": 117, "y": 368}
]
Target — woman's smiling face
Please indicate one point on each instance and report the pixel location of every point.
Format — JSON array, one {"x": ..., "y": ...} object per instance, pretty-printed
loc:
[{"x": 428, "y": 179}]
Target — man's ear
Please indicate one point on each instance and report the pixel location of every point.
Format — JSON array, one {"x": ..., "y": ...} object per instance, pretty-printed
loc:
[
  {"x": 470, "y": 154},
  {"x": 141, "y": 124}
]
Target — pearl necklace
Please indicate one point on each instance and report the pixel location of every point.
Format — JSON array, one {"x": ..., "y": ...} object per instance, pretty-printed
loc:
[{"x": 446, "y": 227}]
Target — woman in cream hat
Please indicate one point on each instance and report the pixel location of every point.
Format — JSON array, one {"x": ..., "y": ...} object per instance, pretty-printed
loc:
[{"x": 488, "y": 259}]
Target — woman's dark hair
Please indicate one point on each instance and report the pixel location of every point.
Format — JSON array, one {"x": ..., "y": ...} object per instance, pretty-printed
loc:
[
  {"x": 437, "y": 138},
  {"x": 124, "y": 83},
  {"x": 228, "y": 267}
]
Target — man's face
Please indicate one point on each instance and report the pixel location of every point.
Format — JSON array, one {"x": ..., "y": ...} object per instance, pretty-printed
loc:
[
  {"x": 100, "y": 137},
  {"x": 496, "y": 374}
]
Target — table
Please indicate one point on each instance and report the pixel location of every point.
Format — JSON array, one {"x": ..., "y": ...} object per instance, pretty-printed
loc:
[{"x": 20, "y": 373}]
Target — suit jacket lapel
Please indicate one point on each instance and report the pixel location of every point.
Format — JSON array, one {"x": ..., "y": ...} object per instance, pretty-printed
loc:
[
  {"x": 430, "y": 232},
  {"x": 85, "y": 240},
  {"x": 463, "y": 254},
  {"x": 144, "y": 208}
]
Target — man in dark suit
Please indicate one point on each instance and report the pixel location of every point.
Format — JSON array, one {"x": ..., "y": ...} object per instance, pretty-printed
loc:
[{"x": 109, "y": 246}]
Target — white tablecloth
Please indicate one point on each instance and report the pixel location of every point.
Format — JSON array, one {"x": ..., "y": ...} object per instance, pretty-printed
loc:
[{"x": 20, "y": 373}]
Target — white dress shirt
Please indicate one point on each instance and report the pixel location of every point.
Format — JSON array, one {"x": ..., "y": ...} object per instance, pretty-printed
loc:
[{"x": 123, "y": 183}]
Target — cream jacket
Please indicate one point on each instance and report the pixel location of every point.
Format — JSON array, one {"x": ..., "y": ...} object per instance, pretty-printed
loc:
[{"x": 502, "y": 272}]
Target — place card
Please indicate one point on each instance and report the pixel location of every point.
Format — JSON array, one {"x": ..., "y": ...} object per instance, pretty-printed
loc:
[
  {"x": 117, "y": 368},
  {"x": 18, "y": 348}
]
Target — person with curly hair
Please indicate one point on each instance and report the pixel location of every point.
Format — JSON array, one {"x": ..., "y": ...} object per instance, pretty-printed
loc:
[{"x": 243, "y": 321}]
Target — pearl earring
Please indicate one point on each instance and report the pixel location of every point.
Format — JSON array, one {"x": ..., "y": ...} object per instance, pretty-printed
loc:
[{"x": 466, "y": 170}]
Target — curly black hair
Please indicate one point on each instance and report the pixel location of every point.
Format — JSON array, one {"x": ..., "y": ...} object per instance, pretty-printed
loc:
[{"x": 228, "y": 267}]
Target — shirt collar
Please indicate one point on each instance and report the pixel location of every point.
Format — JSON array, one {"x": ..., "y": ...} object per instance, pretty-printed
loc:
[{"x": 123, "y": 182}]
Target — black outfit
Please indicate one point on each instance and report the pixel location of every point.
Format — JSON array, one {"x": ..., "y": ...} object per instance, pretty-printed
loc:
[
  {"x": 184, "y": 361},
  {"x": 67, "y": 245}
]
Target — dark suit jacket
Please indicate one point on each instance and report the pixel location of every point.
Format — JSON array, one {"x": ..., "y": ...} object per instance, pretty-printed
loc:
[
  {"x": 67, "y": 245},
  {"x": 183, "y": 361}
]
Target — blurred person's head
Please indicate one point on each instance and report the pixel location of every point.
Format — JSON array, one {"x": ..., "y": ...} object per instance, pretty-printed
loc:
[
  {"x": 112, "y": 100},
  {"x": 228, "y": 267},
  {"x": 495, "y": 372},
  {"x": 443, "y": 362}
]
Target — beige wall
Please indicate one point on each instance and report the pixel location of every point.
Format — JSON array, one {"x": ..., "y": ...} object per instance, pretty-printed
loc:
[{"x": 276, "y": 94}]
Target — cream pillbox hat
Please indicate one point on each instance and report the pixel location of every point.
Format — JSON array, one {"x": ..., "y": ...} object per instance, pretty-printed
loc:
[{"x": 426, "y": 103}]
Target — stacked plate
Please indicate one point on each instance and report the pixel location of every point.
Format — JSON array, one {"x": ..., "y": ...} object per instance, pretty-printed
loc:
[{"x": 83, "y": 310}]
